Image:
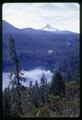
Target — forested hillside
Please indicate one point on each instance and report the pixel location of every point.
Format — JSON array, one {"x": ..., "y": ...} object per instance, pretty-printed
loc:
[{"x": 57, "y": 50}]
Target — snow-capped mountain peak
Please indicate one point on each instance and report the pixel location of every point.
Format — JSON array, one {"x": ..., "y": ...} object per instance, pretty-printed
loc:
[{"x": 48, "y": 27}]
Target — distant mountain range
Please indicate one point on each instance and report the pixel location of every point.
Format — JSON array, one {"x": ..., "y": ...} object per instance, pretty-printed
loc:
[{"x": 43, "y": 48}]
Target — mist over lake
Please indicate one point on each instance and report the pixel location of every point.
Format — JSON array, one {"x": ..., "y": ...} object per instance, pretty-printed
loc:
[{"x": 31, "y": 75}]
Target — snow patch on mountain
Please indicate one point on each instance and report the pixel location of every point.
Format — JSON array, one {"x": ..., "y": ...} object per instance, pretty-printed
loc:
[
  {"x": 50, "y": 51},
  {"x": 49, "y": 28},
  {"x": 67, "y": 44}
]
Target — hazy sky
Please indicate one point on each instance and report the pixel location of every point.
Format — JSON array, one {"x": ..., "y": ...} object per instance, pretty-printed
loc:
[{"x": 64, "y": 16}]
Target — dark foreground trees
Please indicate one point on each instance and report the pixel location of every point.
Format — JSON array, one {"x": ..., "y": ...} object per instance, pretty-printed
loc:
[
  {"x": 64, "y": 103},
  {"x": 43, "y": 89},
  {"x": 57, "y": 85}
]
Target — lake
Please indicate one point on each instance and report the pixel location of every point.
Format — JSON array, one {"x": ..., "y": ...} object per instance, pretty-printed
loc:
[{"x": 31, "y": 75}]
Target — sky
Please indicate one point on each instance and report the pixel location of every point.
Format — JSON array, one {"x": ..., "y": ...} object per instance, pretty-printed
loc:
[{"x": 63, "y": 16}]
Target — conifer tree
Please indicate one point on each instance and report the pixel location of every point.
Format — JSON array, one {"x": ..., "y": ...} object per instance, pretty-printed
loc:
[
  {"x": 31, "y": 91},
  {"x": 6, "y": 102},
  {"x": 57, "y": 85},
  {"x": 36, "y": 97},
  {"x": 43, "y": 88},
  {"x": 78, "y": 76},
  {"x": 30, "y": 88},
  {"x": 15, "y": 82},
  {"x": 69, "y": 76}
]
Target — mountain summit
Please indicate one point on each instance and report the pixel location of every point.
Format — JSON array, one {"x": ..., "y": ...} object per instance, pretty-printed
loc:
[{"x": 48, "y": 27}]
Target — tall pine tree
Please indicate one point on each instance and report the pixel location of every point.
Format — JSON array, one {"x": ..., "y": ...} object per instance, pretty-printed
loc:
[
  {"x": 36, "y": 98},
  {"x": 57, "y": 85},
  {"x": 16, "y": 80},
  {"x": 43, "y": 89}
]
